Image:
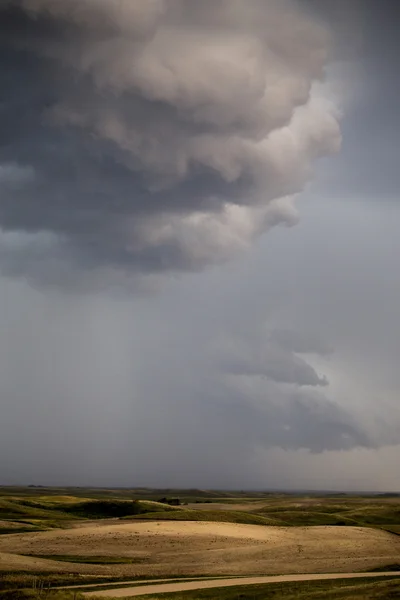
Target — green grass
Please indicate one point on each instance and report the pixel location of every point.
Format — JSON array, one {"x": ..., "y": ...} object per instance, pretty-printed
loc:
[
  {"x": 221, "y": 516},
  {"x": 385, "y": 568},
  {"x": 352, "y": 511},
  {"x": 44, "y": 594},
  {"x": 345, "y": 589},
  {"x": 339, "y": 589},
  {"x": 45, "y": 579},
  {"x": 287, "y": 513},
  {"x": 16, "y": 509},
  {"x": 149, "y": 506},
  {"x": 20, "y": 580},
  {"x": 308, "y": 518},
  {"x": 52, "y": 511},
  {"x": 10, "y": 530},
  {"x": 185, "y": 495},
  {"x": 45, "y": 508}
]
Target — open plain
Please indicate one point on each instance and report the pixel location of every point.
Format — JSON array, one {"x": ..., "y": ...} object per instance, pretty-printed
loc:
[
  {"x": 81, "y": 537},
  {"x": 165, "y": 548}
]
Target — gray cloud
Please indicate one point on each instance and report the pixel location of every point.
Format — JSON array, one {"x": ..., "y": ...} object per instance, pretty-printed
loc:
[
  {"x": 131, "y": 393},
  {"x": 299, "y": 342},
  {"x": 159, "y": 136},
  {"x": 264, "y": 358},
  {"x": 278, "y": 369},
  {"x": 136, "y": 391},
  {"x": 265, "y": 414},
  {"x": 269, "y": 393},
  {"x": 367, "y": 166}
]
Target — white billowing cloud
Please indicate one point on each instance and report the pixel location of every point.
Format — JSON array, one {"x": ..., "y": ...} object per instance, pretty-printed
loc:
[
  {"x": 186, "y": 128},
  {"x": 204, "y": 238}
]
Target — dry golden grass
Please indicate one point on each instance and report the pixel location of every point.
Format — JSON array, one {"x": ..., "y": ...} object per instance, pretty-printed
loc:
[{"x": 195, "y": 548}]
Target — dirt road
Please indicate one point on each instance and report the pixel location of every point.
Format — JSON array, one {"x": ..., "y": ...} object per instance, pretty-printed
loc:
[{"x": 148, "y": 590}]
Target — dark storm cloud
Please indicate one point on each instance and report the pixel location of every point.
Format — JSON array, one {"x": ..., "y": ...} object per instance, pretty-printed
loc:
[
  {"x": 151, "y": 136},
  {"x": 294, "y": 421},
  {"x": 136, "y": 391},
  {"x": 160, "y": 135},
  {"x": 267, "y": 393},
  {"x": 367, "y": 166}
]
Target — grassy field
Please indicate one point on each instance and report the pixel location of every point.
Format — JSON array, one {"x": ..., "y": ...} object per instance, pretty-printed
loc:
[
  {"x": 221, "y": 516},
  {"x": 29, "y": 513},
  {"x": 351, "y": 510},
  {"x": 324, "y": 590},
  {"x": 363, "y": 589},
  {"x": 39, "y": 509},
  {"x": 23, "y": 509},
  {"x": 21, "y": 580},
  {"x": 52, "y": 581},
  {"x": 32, "y": 594}
]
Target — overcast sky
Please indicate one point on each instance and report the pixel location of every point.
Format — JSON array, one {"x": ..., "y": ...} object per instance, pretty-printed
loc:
[{"x": 198, "y": 249}]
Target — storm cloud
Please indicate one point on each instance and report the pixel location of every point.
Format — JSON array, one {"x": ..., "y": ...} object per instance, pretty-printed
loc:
[
  {"x": 158, "y": 136},
  {"x": 149, "y": 142}
]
